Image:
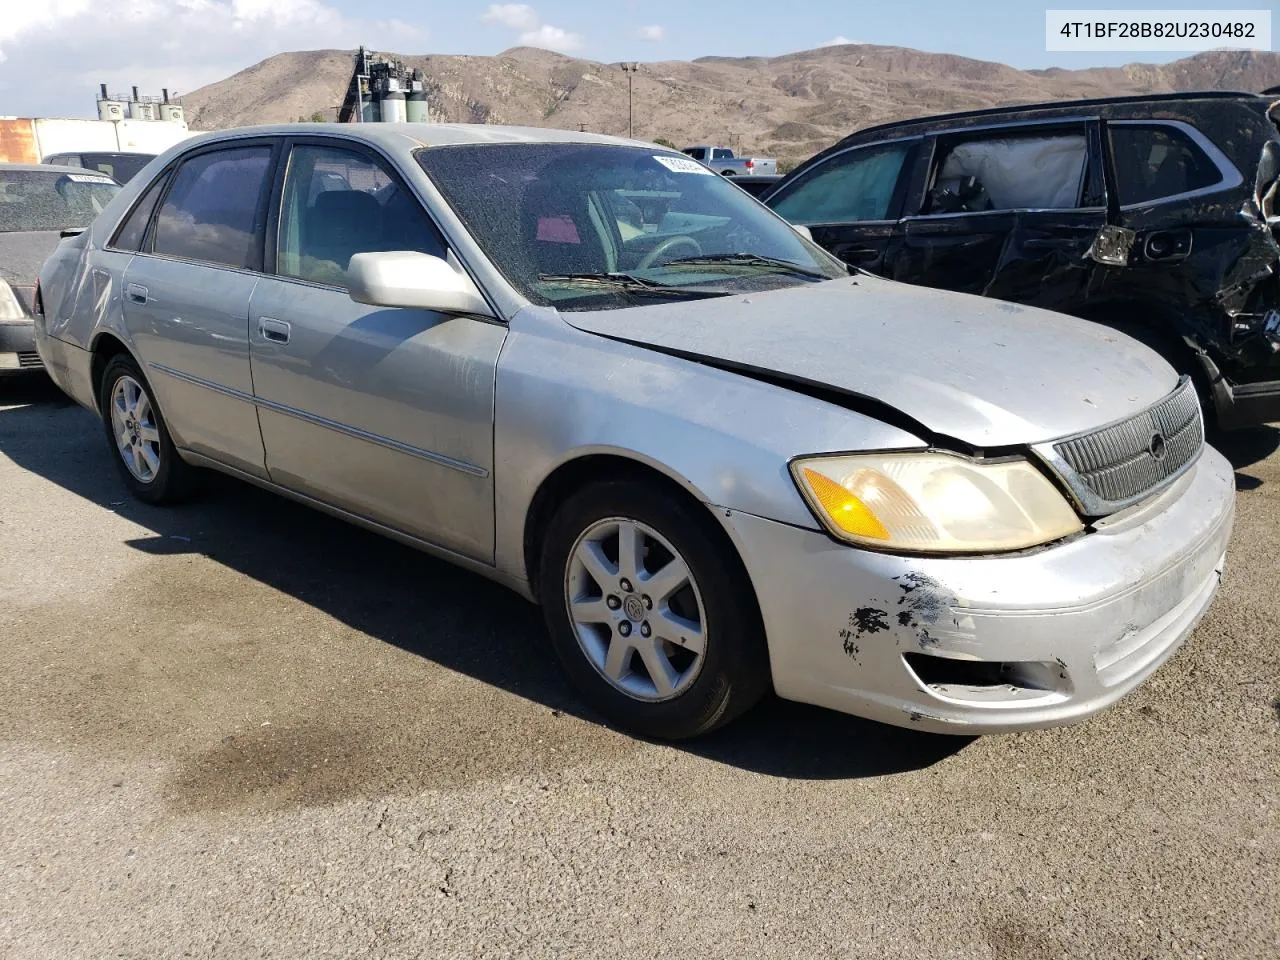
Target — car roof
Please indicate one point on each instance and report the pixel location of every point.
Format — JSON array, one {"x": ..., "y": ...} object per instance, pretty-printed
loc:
[
  {"x": 1048, "y": 106},
  {"x": 397, "y": 137},
  {"x": 100, "y": 153},
  {"x": 49, "y": 168}
]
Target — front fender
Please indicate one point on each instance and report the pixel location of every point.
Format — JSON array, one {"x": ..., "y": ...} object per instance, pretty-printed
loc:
[{"x": 563, "y": 394}]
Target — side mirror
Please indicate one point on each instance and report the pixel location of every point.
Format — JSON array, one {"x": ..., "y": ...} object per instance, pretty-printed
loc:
[
  {"x": 804, "y": 231},
  {"x": 406, "y": 278}
]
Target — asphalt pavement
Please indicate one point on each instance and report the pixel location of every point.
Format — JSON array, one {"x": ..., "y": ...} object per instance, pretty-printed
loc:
[{"x": 239, "y": 728}]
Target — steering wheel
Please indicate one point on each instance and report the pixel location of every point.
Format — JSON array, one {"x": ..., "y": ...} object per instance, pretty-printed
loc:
[{"x": 666, "y": 246}]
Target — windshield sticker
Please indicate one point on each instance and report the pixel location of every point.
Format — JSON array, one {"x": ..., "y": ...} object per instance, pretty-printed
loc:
[
  {"x": 683, "y": 165},
  {"x": 82, "y": 178}
]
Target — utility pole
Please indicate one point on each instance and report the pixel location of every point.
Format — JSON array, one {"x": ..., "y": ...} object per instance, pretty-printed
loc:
[{"x": 630, "y": 70}]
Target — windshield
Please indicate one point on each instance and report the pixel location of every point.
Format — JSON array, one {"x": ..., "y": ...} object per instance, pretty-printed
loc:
[
  {"x": 39, "y": 200},
  {"x": 121, "y": 167},
  {"x": 594, "y": 226}
]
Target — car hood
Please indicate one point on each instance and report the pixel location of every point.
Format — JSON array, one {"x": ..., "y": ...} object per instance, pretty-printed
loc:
[
  {"x": 23, "y": 253},
  {"x": 985, "y": 372}
]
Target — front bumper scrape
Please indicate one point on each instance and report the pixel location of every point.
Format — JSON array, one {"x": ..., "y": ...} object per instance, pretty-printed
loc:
[{"x": 991, "y": 644}]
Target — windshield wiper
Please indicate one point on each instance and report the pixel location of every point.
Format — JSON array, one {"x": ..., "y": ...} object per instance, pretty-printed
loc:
[
  {"x": 746, "y": 260},
  {"x": 629, "y": 283}
]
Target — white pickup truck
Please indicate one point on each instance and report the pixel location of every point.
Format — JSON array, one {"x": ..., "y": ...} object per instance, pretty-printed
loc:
[{"x": 722, "y": 160}]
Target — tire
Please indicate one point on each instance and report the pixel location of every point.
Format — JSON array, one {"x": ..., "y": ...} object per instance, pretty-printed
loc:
[
  {"x": 697, "y": 690},
  {"x": 139, "y": 438}
]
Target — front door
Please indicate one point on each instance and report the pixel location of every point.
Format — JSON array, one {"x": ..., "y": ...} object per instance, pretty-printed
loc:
[
  {"x": 851, "y": 201},
  {"x": 1010, "y": 214},
  {"x": 186, "y": 301},
  {"x": 385, "y": 413}
]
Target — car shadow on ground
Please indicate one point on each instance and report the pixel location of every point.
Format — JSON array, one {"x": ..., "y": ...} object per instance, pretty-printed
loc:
[
  {"x": 1246, "y": 447},
  {"x": 424, "y": 606}
]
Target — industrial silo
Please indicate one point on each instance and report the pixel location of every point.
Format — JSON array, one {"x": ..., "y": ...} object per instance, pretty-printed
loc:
[
  {"x": 416, "y": 102},
  {"x": 109, "y": 109},
  {"x": 393, "y": 103},
  {"x": 170, "y": 112},
  {"x": 139, "y": 109}
]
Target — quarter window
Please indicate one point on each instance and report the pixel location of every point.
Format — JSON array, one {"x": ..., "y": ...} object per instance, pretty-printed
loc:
[
  {"x": 213, "y": 212},
  {"x": 852, "y": 186},
  {"x": 338, "y": 203},
  {"x": 1158, "y": 161}
]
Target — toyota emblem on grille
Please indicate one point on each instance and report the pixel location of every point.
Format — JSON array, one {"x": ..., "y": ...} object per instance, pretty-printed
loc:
[{"x": 1157, "y": 447}]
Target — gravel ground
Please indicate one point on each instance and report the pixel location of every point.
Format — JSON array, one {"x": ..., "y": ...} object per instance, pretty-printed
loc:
[{"x": 242, "y": 729}]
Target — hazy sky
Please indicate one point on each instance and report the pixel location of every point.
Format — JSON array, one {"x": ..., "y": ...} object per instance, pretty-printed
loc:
[{"x": 53, "y": 53}]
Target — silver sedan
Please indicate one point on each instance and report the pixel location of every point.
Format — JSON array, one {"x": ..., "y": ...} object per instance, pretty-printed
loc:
[{"x": 598, "y": 373}]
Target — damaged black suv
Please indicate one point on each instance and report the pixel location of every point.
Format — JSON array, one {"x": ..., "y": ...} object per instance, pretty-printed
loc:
[{"x": 1156, "y": 215}]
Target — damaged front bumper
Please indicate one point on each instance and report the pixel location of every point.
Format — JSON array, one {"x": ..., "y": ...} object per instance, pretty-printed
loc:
[{"x": 991, "y": 644}]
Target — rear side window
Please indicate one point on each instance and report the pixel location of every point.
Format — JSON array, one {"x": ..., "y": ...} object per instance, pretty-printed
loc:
[
  {"x": 213, "y": 211},
  {"x": 134, "y": 228},
  {"x": 1039, "y": 172},
  {"x": 722, "y": 154},
  {"x": 340, "y": 202},
  {"x": 1153, "y": 162},
  {"x": 852, "y": 186}
]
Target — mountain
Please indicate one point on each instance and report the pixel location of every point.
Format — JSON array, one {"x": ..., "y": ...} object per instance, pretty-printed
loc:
[{"x": 788, "y": 106}]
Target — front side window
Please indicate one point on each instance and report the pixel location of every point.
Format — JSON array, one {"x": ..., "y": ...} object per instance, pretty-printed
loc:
[
  {"x": 595, "y": 226},
  {"x": 849, "y": 187},
  {"x": 340, "y": 202},
  {"x": 1011, "y": 172},
  {"x": 1158, "y": 161},
  {"x": 214, "y": 210},
  {"x": 33, "y": 200}
]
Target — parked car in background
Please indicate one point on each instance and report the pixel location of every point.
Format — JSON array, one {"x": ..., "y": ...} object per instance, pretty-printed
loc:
[
  {"x": 591, "y": 369},
  {"x": 120, "y": 167},
  {"x": 38, "y": 204},
  {"x": 757, "y": 185},
  {"x": 722, "y": 160},
  {"x": 1154, "y": 215}
]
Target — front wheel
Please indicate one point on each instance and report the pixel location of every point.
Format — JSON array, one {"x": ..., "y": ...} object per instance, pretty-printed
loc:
[
  {"x": 651, "y": 612},
  {"x": 145, "y": 453}
]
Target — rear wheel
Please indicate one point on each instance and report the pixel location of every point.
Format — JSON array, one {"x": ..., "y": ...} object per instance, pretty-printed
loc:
[
  {"x": 136, "y": 430},
  {"x": 650, "y": 611}
]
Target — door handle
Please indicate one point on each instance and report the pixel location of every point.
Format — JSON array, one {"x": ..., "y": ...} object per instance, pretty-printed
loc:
[
  {"x": 277, "y": 331},
  {"x": 136, "y": 292},
  {"x": 1167, "y": 245}
]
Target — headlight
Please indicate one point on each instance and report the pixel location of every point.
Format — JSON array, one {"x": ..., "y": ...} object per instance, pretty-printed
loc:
[
  {"x": 10, "y": 308},
  {"x": 934, "y": 502}
]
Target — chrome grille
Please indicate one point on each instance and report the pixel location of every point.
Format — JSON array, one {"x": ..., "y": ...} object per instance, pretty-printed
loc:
[
  {"x": 28, "y": 359},
  {"x": 1120, "y": 464}
]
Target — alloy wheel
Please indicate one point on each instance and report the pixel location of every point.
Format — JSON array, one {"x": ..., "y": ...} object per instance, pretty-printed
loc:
[
  {"x": 636, "y": 609},
  {"x": 134, "y": 426}
]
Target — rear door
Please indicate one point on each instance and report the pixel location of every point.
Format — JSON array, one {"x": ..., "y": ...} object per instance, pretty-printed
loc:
[
  {"x": 1008, "y": 212},
  {"x": 385, "y": 413},
  {"x": 186, "y": 298},
  {"x": 852, "y": 200},
  {"x": 1169, "y": 184}
]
